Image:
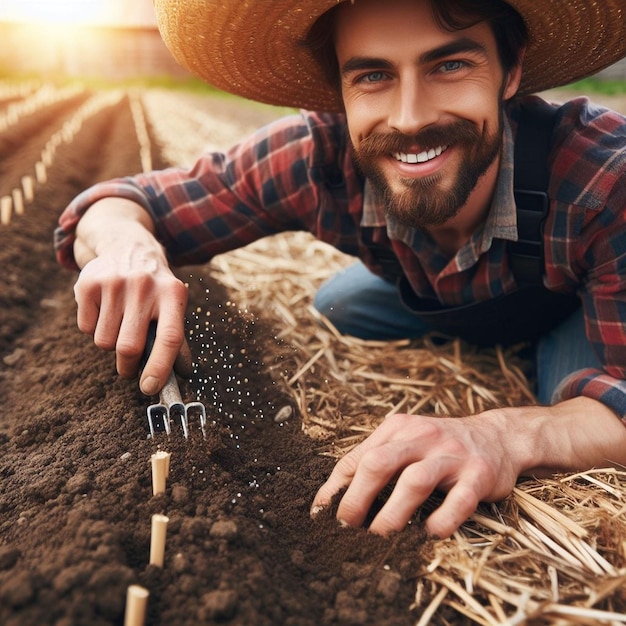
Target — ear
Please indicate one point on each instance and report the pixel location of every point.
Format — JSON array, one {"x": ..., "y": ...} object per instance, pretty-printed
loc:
[{"x": 513, "y": 78}]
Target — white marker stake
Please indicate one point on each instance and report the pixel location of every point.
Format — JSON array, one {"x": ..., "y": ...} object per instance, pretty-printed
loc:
[
  {"x": 160, "y": 462},
  {"x": 40, "y": 173},
  {"x": 28, "y": 188},
  {"x": 18, "y": 202},
  {"x": 46, "y": 157},
  {"x": 157, "y": 539},
  {"x": 6, "y": 208},
  {"x": 136, "y": 603}
]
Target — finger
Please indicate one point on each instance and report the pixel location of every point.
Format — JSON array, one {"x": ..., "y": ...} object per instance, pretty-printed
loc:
[
  {"x": 414, "y": 486},
  {"x": 131, "y": 341},
  {"x": 110, "y": 315},
  {"x": 108, "y": 325},
  {"x": 340, "y": 477},
  {"x": 87, "y": 299},
  {"x": 377, "y": 467},
  {"x": 184, "y": 361},
  {"x": 87, "y": 313},
  {"x": 167, "y": 345},
  {"x": 161, "y": 360},
  {"x": 345, "y": 469},
  {"x": 459, "y": 504},
  {"x": 100, "y": 302},
  {"x": 401, "y": 453}
]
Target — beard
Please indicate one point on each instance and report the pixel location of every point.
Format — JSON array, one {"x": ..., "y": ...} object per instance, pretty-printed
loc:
[{"x": 432, "y": 200}]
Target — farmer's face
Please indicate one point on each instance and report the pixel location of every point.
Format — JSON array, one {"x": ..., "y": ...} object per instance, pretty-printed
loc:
[{"x": 423, "y": 105}]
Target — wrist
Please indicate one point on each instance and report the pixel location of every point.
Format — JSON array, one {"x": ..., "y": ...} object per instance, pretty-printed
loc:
[
  {"x": 114, "y": 226},
  {"x": 520, "y": 433}
]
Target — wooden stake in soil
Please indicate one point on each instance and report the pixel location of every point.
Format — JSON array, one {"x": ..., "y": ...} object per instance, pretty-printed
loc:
[
  {"x": 46, "y": 157},
  {"x": 28, "y": 188},
  {"x": 157, "y": 539},
  {"x": 18, "y": 202},
  {"x": 160, "y": 462},
  {"x": 6, "y": 208},
  {"x": 136, "y": 603},
  {"x": 40, "y": 173}
]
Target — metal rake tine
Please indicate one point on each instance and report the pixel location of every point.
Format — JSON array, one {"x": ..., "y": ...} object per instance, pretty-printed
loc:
[
  {"x": 193, "y": 406},
  {"x": 161, "y": 412},
  {"x": 178, "y": 408}
]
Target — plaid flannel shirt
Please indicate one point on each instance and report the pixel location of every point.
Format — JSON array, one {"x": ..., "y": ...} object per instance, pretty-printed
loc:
[{"x": 298, "y": 174}]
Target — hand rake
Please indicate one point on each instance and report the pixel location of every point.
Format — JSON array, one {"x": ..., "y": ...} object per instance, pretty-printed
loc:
[{"x": 171, "y": 407}]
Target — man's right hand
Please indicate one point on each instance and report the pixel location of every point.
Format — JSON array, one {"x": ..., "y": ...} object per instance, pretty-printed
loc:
[{"x": 125, "y": 282}]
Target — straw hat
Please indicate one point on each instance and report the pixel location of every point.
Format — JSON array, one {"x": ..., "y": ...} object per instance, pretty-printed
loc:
[{"x": 253, "y": 48}]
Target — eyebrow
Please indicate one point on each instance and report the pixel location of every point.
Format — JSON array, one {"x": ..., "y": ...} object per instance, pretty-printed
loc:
[
  {"x": 356, "y": 64},
  {"x": 464, "y": 44}
]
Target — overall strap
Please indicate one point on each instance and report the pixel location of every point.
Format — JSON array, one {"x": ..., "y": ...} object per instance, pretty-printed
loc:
[{"x": 531, "y": 179}]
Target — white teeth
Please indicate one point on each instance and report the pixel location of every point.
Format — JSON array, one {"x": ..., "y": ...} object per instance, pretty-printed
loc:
[{"x": 421, "y": 157}]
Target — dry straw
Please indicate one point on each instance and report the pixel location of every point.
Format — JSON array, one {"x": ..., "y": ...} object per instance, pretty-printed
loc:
[{"x": 554, "y": 552}]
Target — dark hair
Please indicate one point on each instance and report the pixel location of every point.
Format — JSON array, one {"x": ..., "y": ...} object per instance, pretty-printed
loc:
[{"x": 506, "y": 23}]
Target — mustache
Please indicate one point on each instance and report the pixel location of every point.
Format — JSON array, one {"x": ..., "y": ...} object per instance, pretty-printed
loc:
[{"x": 377, "y": 144}]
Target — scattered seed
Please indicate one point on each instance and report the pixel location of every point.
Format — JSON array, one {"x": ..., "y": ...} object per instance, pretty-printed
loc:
[{"x": 283, "y": 414}]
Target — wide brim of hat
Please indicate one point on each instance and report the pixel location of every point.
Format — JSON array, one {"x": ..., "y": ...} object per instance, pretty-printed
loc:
[{"x": 254, "y": 49}]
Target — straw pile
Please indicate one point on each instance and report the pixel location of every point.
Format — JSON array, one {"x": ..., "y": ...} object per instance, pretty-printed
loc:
[{"x": 554, "y": 552}]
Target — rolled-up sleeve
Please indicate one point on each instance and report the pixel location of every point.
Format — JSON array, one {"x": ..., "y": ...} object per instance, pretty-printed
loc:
[
  {"x": 596, "y": 384},
  {"x": 269, "y": 183}
]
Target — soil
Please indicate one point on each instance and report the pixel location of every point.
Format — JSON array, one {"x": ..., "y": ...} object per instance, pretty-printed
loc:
[{"x": 75, "y": 491}]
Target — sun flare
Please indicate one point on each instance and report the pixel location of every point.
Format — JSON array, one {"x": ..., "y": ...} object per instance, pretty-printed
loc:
[{"x": 61, "y": 12}]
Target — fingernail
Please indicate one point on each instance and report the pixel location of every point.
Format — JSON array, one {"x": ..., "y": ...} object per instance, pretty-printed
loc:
[
  {"x": 316, "y": 510},
  {"x": 343, "y": 523},
  {"x": 150, "y": 386}
]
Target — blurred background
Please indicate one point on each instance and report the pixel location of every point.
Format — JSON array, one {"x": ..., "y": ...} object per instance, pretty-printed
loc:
[{"x": 109, "y": 39}]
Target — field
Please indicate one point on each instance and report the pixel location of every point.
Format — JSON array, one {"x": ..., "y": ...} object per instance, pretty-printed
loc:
[{"x": 75, "y": 490}]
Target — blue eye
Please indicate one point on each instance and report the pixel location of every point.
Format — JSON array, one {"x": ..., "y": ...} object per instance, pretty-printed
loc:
[
  {"x": 373, "y": 77},
  {"x": 452, "y": 66}
]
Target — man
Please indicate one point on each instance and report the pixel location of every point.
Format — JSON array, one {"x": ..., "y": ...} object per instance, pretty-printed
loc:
[{"x": 419, "y": 172}]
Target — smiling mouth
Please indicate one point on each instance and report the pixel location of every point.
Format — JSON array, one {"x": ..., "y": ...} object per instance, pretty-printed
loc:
[{"x": 419, "y": 157}]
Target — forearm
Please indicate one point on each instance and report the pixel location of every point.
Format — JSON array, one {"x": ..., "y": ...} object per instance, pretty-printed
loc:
[{"x": 573, "y": 435}]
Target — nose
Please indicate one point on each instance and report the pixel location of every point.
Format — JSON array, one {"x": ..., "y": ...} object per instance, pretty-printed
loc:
[{"x": 412, "y": 108}]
